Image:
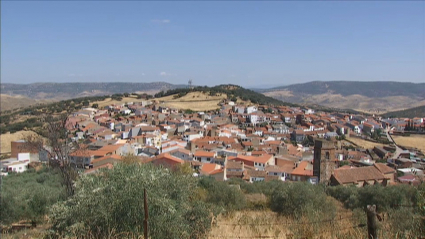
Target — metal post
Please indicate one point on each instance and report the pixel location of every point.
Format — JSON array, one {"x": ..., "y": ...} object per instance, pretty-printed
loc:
[{"x": 145, "y": 222}]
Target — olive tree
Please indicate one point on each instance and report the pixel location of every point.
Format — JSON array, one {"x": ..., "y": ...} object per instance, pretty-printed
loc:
[{"x": 112, "y": 202}]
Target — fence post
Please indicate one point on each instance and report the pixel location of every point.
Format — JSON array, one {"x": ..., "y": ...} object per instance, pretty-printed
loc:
[
  {"x": 145, "y": 222},
  {"x": 372, "y": 225}
]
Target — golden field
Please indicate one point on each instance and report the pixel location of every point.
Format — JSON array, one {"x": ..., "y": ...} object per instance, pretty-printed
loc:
[
  {"x": 196, "y": 101},
  {"x": 364, "y": 143},
  {"x": 416, "y": 141},
  {"x": 109, "y": 101}
]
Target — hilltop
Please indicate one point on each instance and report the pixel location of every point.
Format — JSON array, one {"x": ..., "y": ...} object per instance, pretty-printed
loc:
[
  {"x": 232, "y": 92},
  {"x": 371, "y": 97}
]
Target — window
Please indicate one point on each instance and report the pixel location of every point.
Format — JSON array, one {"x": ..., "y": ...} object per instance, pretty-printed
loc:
[
  {"x": 275, "y": 173},
  {"x": 327, "y": 155}
]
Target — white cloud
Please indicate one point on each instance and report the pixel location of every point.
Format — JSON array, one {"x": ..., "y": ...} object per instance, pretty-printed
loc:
[
  {"x": 161, "y": 21},
  {"x": 71, "y": 75},
  {"x": 166, "y": 74},
  {"x": 143, "y": 74}
]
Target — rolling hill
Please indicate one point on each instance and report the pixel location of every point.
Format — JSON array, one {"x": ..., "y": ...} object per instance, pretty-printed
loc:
[
  {"x": 370, "y": 97},
  {"x": 62, "y": 91},
  {"x": 407, "y": 113},
  {"x": 8, "y": 102}
]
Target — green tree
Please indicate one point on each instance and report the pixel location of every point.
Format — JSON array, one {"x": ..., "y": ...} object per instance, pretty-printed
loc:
[
  {"x": 301, "y": 199},
  {"x": 112, "y": 202},
  {"x": 29, "y": 195}
]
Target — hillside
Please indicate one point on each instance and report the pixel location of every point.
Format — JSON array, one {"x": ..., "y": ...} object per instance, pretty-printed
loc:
[
  {"x": 61, "y": 91},
  {"x": 233, "y": 92},
  {"x": 371, "y": 97},
  {"x": 407, "y": 113},
  {"x": 8, "y": 102}
]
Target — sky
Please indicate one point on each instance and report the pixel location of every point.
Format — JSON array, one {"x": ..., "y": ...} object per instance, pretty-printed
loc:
[{"x": 248, "y": 43}]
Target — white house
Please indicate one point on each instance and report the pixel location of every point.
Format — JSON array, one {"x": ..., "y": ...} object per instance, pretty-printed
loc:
[
  {"x": 251, "y": 109},
  {"x": 204, "y": 156},
  {"x": 253, "y": 118},
  {"x": 17, "y": 166}
]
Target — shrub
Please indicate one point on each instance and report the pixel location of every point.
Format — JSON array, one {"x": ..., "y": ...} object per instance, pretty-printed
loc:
[
  {"x": 226, "y": 197},
  {"x": 390, "y": 197},
  {"x": 301, "y": 199},
  {"x": 28, "y": 195},
  {"x": 112, "y": 201}
]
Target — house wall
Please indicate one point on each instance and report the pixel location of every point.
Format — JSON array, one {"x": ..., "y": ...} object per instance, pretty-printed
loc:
[
  {"x": 81, "y": 161},
  {"x": 19, "y": 168},
  {"x": 219, "y": 176},
  {"x": 181, "y": 155},
  {"x": 19, "y": 147},
  {"x": 205, "y": 159}
]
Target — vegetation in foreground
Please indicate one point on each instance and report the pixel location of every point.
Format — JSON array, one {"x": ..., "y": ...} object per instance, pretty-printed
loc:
[
  {"x": 110, "y": 204},
  {"x": 29, "y": 195}
]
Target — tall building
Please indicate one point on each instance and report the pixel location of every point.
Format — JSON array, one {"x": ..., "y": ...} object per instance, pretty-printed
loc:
[{"x": 324, "y": 160}]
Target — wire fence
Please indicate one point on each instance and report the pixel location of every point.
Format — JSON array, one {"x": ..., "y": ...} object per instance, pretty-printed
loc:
[
  {"x": 286, "y": 223},
  {"x": 357, "y": 223}
]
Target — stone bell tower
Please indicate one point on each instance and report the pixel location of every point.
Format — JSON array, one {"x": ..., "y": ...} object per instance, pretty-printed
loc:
[{"x": 324, "y": 160}]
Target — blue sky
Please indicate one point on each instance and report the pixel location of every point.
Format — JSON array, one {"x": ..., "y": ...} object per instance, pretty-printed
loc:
[{"x": 245, "y": 43}]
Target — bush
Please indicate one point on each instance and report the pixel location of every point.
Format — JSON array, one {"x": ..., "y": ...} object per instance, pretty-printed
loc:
[
  {"x": 226, "y": 197},
  {"x": 390, "y": 197},
  {"x": 301, "y": 199},
  {"x": 28, "y": 195},
  {"x": 112, "y": 201}
]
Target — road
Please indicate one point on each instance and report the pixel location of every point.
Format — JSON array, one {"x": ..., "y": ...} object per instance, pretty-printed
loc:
[{"x": 398, "y": 150}]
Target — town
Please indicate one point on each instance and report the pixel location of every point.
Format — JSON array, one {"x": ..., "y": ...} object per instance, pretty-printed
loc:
[{"x": 239, "y": 140}]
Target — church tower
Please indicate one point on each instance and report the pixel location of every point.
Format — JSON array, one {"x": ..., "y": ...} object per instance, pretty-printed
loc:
[{"x": 324, "y": 160}]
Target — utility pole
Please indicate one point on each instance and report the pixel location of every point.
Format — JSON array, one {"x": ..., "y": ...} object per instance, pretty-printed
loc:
[{"x": 145, "y": 222}]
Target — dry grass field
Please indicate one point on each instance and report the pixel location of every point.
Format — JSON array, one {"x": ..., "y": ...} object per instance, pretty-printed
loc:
[
  {"x": 8, "y": 102},
  {"x": 364, "y": 143},
  {"x": 109, "y": 101},
  {"x": 416, "y": 141},
  {"x": 268, "y": 224},
  {"x": 196, "y": 101},
  {"x": 6, "y": 139}
]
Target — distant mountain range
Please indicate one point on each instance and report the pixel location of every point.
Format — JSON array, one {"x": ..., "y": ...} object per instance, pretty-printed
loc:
[
  {"x": 372, "y": 97},
  {"x": 61, "y": 91}
]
